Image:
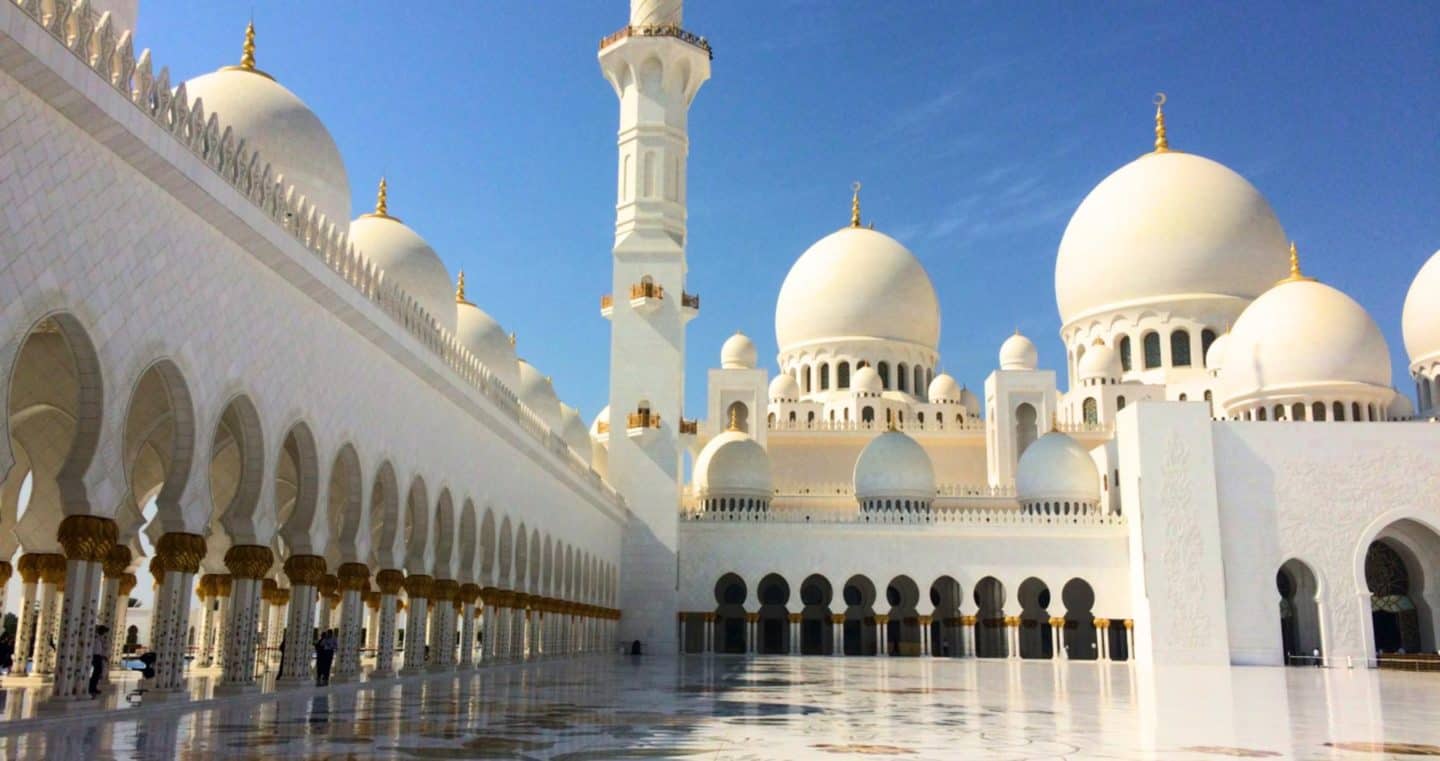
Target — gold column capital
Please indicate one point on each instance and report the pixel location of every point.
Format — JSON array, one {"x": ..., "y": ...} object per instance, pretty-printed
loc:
[
  {"x": 354, "y": 576},
  {"x": 248, "y": 561},
  {"x": 180, "y": 552},
  {"x": 419, "y": 585},
  {"x": 305, "y": 570},
  {"x": 117, "y": 560},
  {"x": 445, "y": 590},
  {"x": 390, "y": 581},
  {"x": 87, "y": 537}
]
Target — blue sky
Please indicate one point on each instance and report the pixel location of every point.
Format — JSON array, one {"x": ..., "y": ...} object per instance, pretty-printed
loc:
[{"x": 975, "y": 128}]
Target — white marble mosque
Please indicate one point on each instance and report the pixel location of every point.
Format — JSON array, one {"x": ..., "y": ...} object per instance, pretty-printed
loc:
[{"x": 292, "y": 420}]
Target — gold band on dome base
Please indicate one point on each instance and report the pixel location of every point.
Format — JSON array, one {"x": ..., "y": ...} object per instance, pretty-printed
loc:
[
  {"x": 87, "y": 537},
  {"x": 249, "y": 561}
]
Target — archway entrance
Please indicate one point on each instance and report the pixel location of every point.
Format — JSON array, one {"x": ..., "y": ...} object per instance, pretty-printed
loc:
[
  {"x": 1395, "y": 611},
  {"x": 730, "y": 614},
  {"x": 1036, "y": 634},
  {"x": 774, "y": 624},
  {"x": 859, "y": 630},
  {"x": 1080, "y": 639},
  {"x": 817, "y": 635},
  {"x": 945, "y": 639},
  {"x": 902, "y": 635},
  {"x": 1299, "y": 614},
  {"x": 990, "y": 621}
]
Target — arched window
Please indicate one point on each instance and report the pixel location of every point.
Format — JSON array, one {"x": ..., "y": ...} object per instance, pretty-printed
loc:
[
  {"x": 1339, "y": 409},
  {"x": 810, "y": 418},
  {"x": 1180, "y": 348},
  {"x": 1119, "y": 403},
  {"x": 1373, "y": 415},
  {"x": 649, "y": 187},
  {"x": 1355, "y": 411},
  {"x": 1207, "y": 337},
  {"x": 1260, "y": 414},
  {"x": 832, "y": 416},
  {"x": 1279, "y": 412},
  {"x": 902, "y": 378},
  {"x": 1026, "y": 425},
  {"x": 920, "y": 384},
  {"x": 1297, "y": 411},
  {"x": 867, "y": 415},
  {"x": 1184, "y": 397},
  {"x": 738, "y": 415},
  {"x": 1317, "y": 412},
  {"x": 884, "y": 370},
  {"x": 792, "y": 416},
  {"x": 1207, "y": 395},
  {"x": 805, "y": 379},
  {"x": 770, "y": 419},
  {"x": 1125, "y": 353},
  {"x": 920, "y": 418},
  {"x": 824, "y": 377},
  {"x": 1090, "y": 410},
  {"x": 1152, "y": 350},
  {"x": 889, "y": 415},
  {"x": 845, "y": 413},
  {"x": 842, "y": 375}
]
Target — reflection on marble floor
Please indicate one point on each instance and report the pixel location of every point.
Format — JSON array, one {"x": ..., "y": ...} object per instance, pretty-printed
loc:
[{"x": 792, "y": 708}]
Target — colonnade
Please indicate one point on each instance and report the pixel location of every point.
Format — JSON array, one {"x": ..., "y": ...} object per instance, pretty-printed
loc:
[{"x": 250, "y": 623}]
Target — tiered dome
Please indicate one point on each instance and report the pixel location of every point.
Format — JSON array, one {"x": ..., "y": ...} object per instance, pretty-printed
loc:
[
  {"x": 537, "y": 393},
  {"x": 1100, "y": 364},
  {"x": 733, "y": 465},
  {"x": 867, "y": 382},
  {"x": 1056, "y": 470},
  {"x": 784, "y": 389},
  {"x": 405, "y": 259},
  {"x": 893, "y": 468},
  {"x": 1018, "y": 353},
  {"x": 738, "y": 353},
  {"x": 944, "y": 390},
  {"x": 484, "y": 337},
  {"x": 1421, "y": 320},
  {"x": 274, "y": 121}
]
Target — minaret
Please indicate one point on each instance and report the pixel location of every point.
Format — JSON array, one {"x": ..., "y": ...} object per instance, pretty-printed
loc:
[{"x": 656, "y": 68}]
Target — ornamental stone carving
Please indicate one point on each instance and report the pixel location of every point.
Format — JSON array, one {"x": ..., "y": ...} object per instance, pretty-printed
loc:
[
  {"x": 127, "y": 584},
  {"x": 117, "y": 560},
  {"x": 248, "y": 561},
  {"x": 87, "y": 537},
  {"x": 304, "y": 570},
  {"x": 329, "y": 585},
  {"x": 180, "y": 552},
  {"x": 354, "y": 576}
]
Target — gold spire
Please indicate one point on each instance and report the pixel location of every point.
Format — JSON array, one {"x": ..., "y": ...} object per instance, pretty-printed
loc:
[
  {"x": 855, "y": 204},
  {"x": 247, "y": 54},
  {"x": 1162, "y": 142},
  {"x": 382, "y": 202},
  {"x": 460, "y": 289},
  {"x": 512, "y": 340},
  {"x": 734, "y": 420},
  {"x": 1295, "y": 273}
]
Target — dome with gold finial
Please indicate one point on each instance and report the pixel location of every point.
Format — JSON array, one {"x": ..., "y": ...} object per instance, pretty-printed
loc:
[
  {"x": 405, "y": 259},
  {"x": 273, "y": 120},
  {"x": 1168, "y": 227},
  {"x": 733, "y": 466},
  {"x": 485, "y": 338}
]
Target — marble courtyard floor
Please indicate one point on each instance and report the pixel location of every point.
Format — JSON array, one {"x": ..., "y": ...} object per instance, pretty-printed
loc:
[{"x": 782, "y": 708}]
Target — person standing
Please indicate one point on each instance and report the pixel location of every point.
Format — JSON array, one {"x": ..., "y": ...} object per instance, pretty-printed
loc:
[
  {"x": 325, "y": 656},
  {"x": 99, "y": 656}
]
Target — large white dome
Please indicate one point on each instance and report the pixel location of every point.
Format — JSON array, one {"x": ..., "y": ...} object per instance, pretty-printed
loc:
[
  {"x": 484, "y": 337},
  {"x": 1299, "y": 335},
  {"x": 406, "y": 259},
  {"x": 1055, "y": 468},
  {"x": 1166, "y": 225},
  {"x": 733, "y": 465},
  {"x": 1421, "y": 321},
  {"x": 893, "y": 465},
  {"x": 537, "y": 393},
  {"x": 857, "y": 283},
  {"x": 289, "y": 136}
]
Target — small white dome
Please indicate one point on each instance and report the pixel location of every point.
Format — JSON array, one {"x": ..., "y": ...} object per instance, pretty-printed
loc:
[
  {"x": 1018, "y": 353},
  {"x": 733, "y": 465},
  {"x": 1302, "y": 334},
  {"x": 857, "y": 283},
  {"x": 1167, "y": 225},
  {"x": 867, "y": 381},
  {"x": 1099, "y": 363},
  {"x": 943, "y": 390},
  {"x": 573, "y": 431},
  {"x": 537, "y": 393},
  {"x": 484, "y": 337},
  {"x": 893, "y": 465},
  {"x": 784, "y": 389},
  {"x": 1055, "y": 468},
  {"x": 1401, "y": 408},
  {"x": 287, "y": 134},
  {"x": 738, "y": 353},
  {"x": 1215, "y": 355},
  {"x": 1420, "y": 323},
  {"x": 970, "y": 401},
  {"x": 406, "y": 259}
]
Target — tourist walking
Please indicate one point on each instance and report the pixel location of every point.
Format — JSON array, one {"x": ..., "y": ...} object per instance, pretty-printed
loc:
[
  {"x": 99, "y": 656},
  {"x": 324, "y": 656}
]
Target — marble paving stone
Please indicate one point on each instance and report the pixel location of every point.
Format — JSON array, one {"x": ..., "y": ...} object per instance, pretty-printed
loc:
[{"x": 789, "y": 708}]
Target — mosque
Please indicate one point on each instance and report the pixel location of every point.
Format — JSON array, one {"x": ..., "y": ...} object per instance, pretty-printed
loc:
[{"x": 289, "y": 417}]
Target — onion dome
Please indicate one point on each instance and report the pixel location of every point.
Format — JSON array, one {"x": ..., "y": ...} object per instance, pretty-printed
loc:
[
  {"x": 733, "y": 465},
  {"x": 274, "y": 121},
  {"x": 857, "y": 283},
  {"x": 1100, "y": 364},
  {"x": 866, "y": 382},
  {"x": 1167, "y": 226},
  {"x": 405, "y": 259},
  {"x": 1215, "y": 355},
  {"x": 784, "y": 389},
  {"x": 894, "y": 467},
  {"x": 484, "y": 337},
  {"x": 738, "y": 353},
  {"x": 970, "y": 401},
  {"x": 537, "y": 393},
  {"x": 1018, "y": 353},
  {"x": 943, "y": 390},
  {"x": 1056, "y": 469},
  {"x": 1401, "y": 408},
  {"x": 573, "y": 431},
  {"x": 1304, "y": 340},
  {"x": 1421, "y": 321}
]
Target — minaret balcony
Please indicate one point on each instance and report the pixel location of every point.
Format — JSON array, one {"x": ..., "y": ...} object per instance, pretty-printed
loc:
[
  {"x": 646, "y": 297},
  {"x": 607, "y": 306},
  {"x": 658, "y": 30},
  {"x": 689, "y": 305},
  {"x": 689, "y": 427},
  {"x": 642, "y": 426}
]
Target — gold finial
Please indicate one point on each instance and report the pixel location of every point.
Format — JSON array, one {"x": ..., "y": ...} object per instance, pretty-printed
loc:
[
  {"x": 855, "y": 204},
  {"x": 247, "y": 54},
  {"x": 734, "y": 420},
  {"x": 1162, "y": 142},
  {"x": 512, "y": 340},
  {"x": 1295, "y": 273},
  {"x": 460, "y": 289},
  {"x": 381, "y": 199}
]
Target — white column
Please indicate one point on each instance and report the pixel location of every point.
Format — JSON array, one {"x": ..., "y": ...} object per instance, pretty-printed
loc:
[
  {"x": 467, "y": 632},
  {"x": 417, "y": 588},
  {"x": 247, "y": 565},
  {"x": 837, "y": 623},
  {"x": 51, "y": 588},
  {"x": 224, "y": 588},
  {"x": 372, "y": 620},
  {"x": 794, "y": 633},
  {"x": 882, "y": 637},
  {"x": 29, "y": 568},
  {"x": 177, "y": 558},
  {"x": 352, "y": 579},
  {"x": 109, "y": 613},
  {"x": 389, "y": 581},
  {"x": 304, "y": 573},
  {"x": 83, "y": 573}
]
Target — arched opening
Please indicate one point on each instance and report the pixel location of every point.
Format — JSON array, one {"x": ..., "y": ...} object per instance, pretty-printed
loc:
[
  {"x": 774, "y": 623},
  {"x": 883, "y": 370},
  {"x": 1338, "y": 411},
  {"x": 297, "y": 491},
  {"x": 1026, "y": 428},
  {"x": 1400, "y": 572},
  {"x": 902, "y": 379},
  {"x": 1080, "y": 639},
  {"x": 1090, "y": 410},
  {"x": 342, "y": 510},
  {"x": 842, "y": 375},
  {"x": 902, "y": 635},
  {"x": 737, "y": 415},
  {"x": 385, "y": 529},
  {"x": 824, "y": 377},
  {"x": 1151, "y": 346},
  {"x": 867, "y": 414},
  {"x": 859, "y": 628},
  {"x": 1299, "y": 614},
  {"x": 1036, "y": 634},
  {"x": 945, "y": 630},
  {"x": 1207, "y": 337},
  {"x": 1180, "y": 348},
  {"x": 817, "y": 634},
  {"x": 1125, "y": 353},
  {"x": 990, "y": 619},
  {"x": 920, "y": 384},
  {"x": 730, "y": 624},
  {"x": 805, "y": 379}
]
